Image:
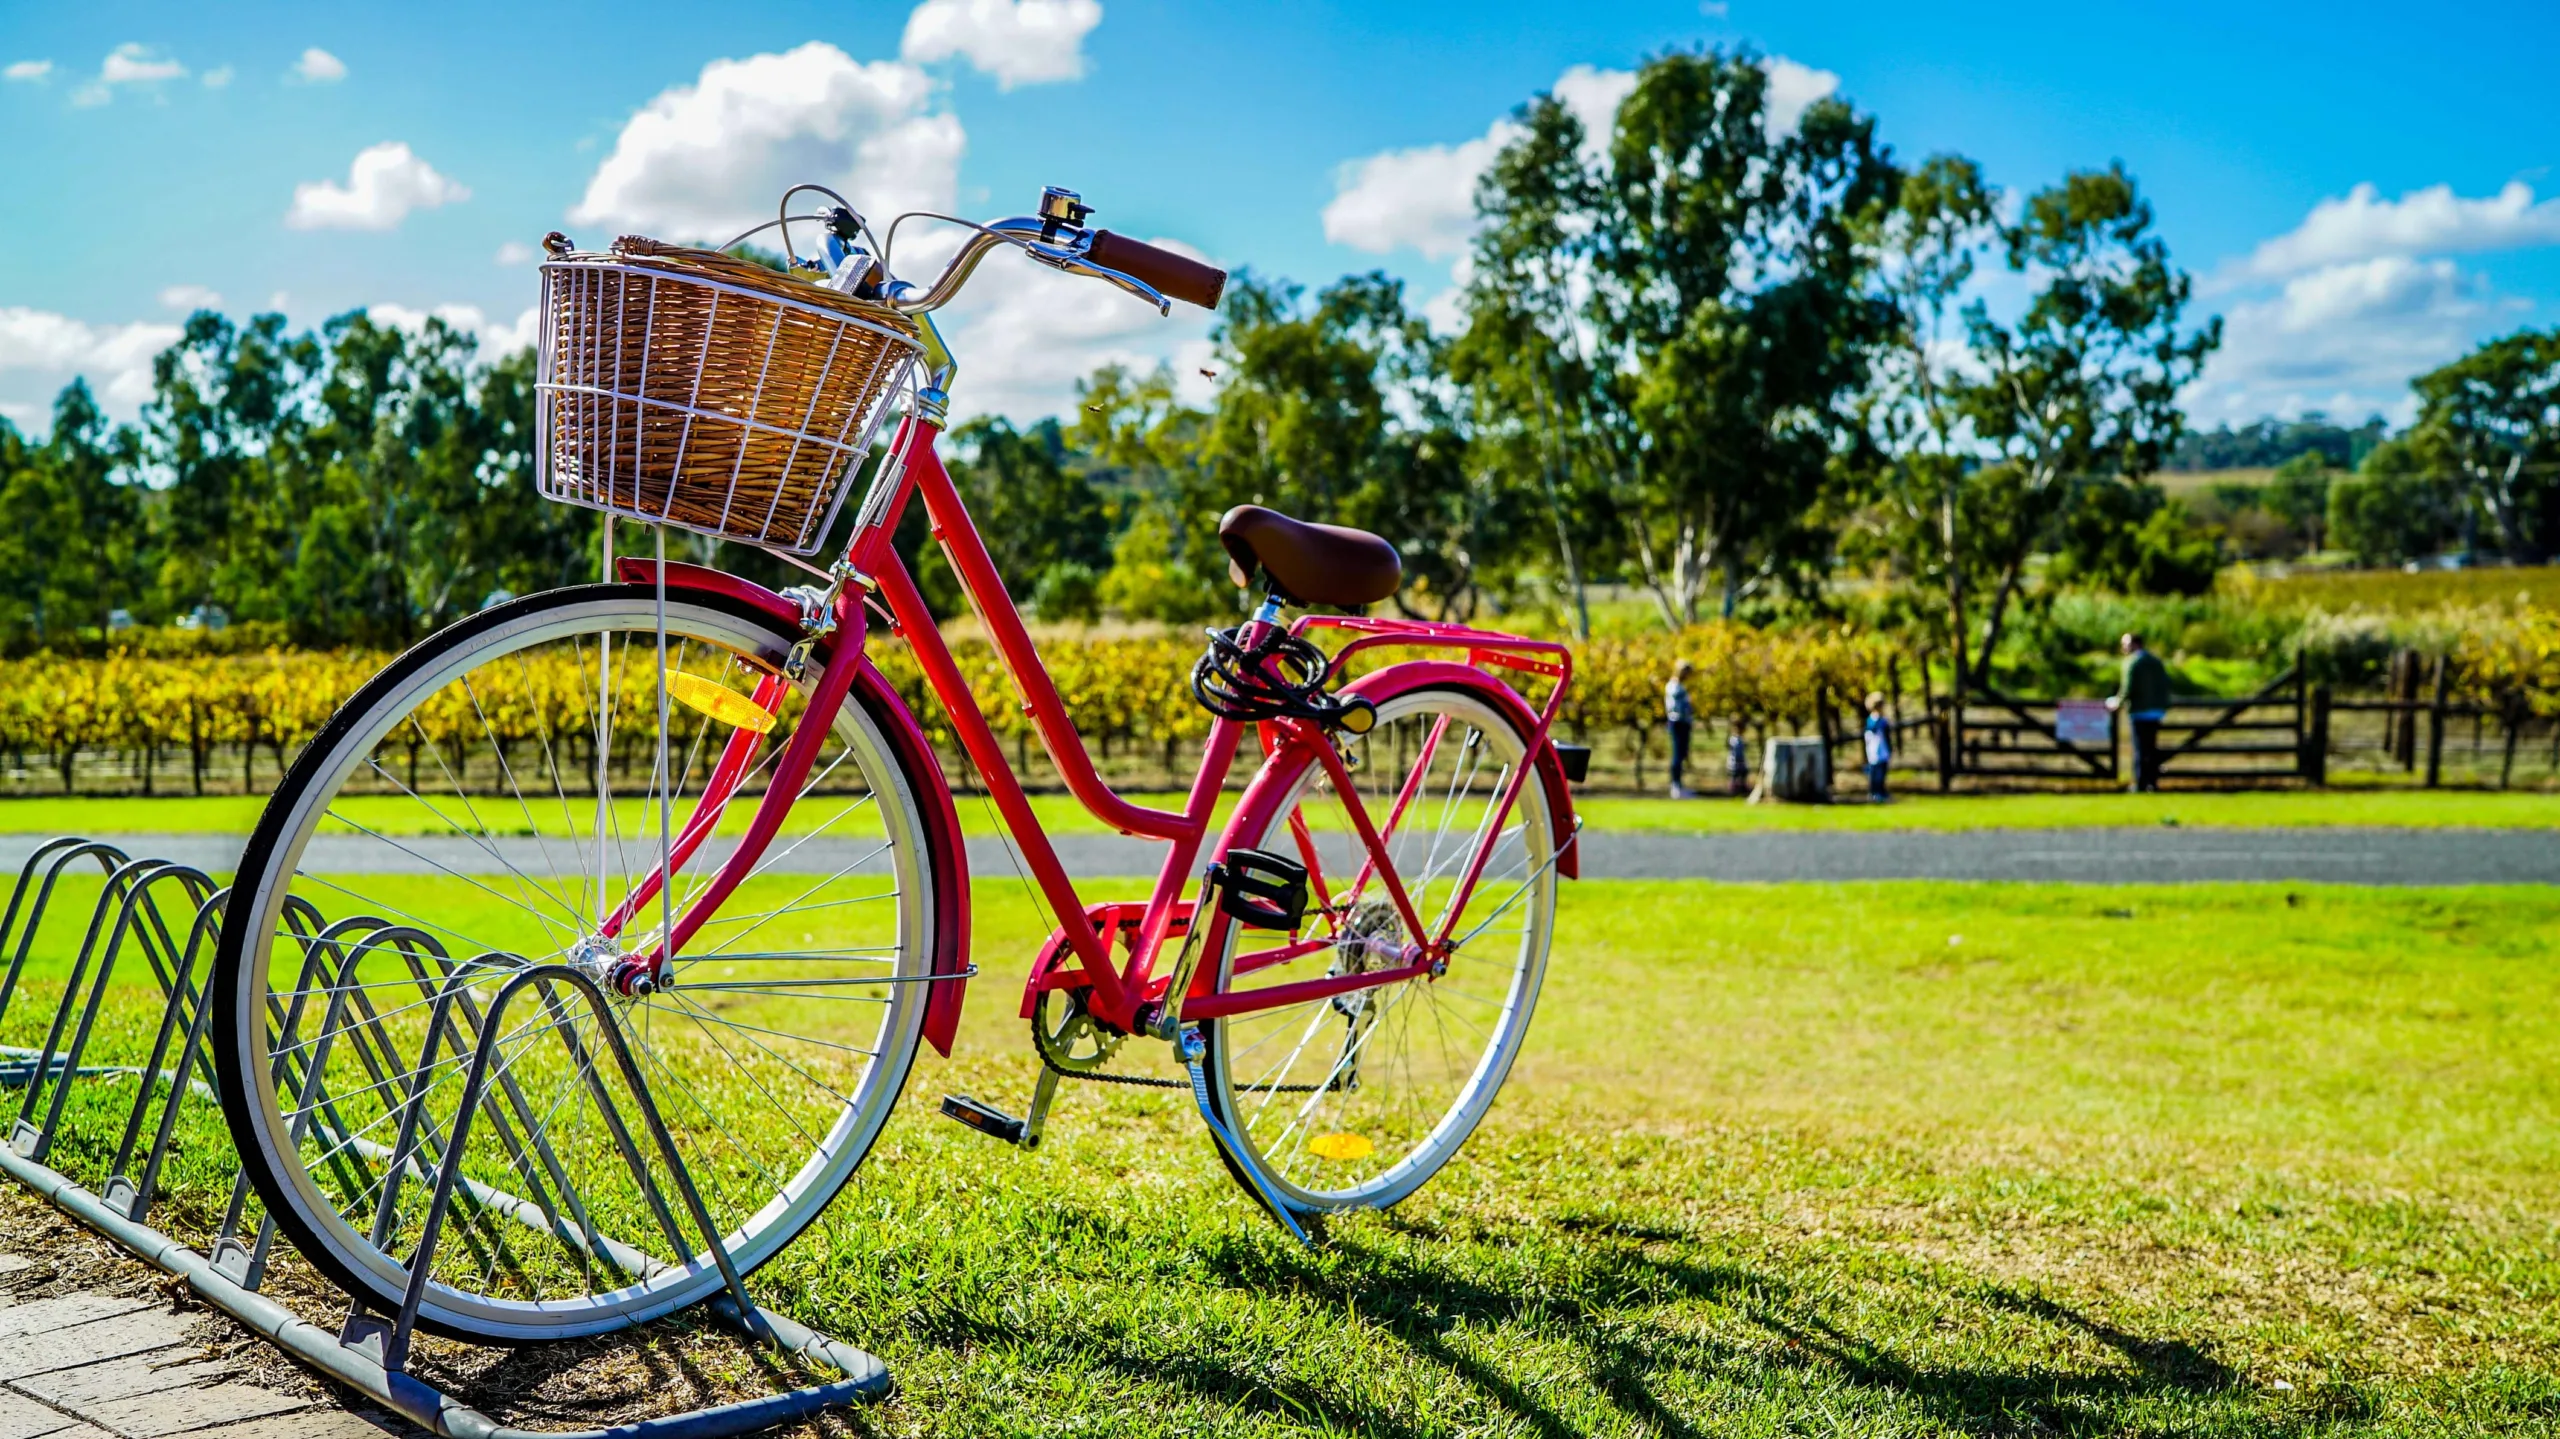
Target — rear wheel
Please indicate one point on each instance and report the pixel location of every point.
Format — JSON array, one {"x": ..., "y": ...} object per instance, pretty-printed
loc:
[
  {"x": 1355, "y": 1100},
  {"x": 495, "y": 799}
]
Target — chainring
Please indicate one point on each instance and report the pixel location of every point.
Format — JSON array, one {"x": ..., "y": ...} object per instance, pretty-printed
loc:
[{"x": 1076, "y": 1043}]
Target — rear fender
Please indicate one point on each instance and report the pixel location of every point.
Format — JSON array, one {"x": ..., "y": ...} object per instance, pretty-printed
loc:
[{"x": 945, "y": 850}]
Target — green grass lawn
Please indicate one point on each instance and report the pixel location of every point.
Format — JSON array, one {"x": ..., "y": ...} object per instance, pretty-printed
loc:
[
  {"x": 1875, "y": 1159},
  {"x": 1920, "y": 810},
  {"x": 1872, "y": 1159}
]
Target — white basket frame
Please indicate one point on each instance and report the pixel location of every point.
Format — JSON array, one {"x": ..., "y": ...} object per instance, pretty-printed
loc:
[{"x": 571, "y": 360}]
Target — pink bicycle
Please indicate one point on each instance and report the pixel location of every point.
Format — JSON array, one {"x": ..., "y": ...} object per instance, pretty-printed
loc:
[{"x": 700, "y": 799}]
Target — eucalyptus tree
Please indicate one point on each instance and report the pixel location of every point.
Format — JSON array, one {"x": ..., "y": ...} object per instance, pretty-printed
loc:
[
  {"x": 1543, "y": 419},
  {"x": 1733, "y": 299},
  {"x": 76, "y": 548},
  {"x": 1944, "y": 222},
  {"x": 2084, "y": 382},
  {"x": 1338, "y": 411},
  {"x": 2490, "y": 421},
  {"x": 1693, "y": 316}
]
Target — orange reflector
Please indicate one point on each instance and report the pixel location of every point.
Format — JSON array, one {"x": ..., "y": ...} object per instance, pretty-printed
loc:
[
  {"x": 718, "y": 701},
  {"x": 1340, "y": 1146}
]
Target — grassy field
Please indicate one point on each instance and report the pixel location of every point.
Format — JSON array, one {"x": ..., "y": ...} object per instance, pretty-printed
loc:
[
  {"x": 1887, "y": 1159},
  {"x": 1913, "y": 809}
]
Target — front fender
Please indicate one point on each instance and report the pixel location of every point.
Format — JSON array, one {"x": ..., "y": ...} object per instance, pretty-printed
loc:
[{"x": 945, "y": 850}]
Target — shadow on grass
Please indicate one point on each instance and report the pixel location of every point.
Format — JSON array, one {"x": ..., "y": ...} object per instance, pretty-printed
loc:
[{"x": 1636, "y": 1307}]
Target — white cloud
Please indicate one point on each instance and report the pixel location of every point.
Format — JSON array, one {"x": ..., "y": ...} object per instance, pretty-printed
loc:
[
  {"x": 40, "y": 352},
  {"x": 128, "y": 64},
  {"x": 319, "y": 67},
  {"x": 1792, "y": 90},
  {"x": 495, "y": 339},
  {"x": 132, "y": 64},
  {"x": 190, "y": 298},
  {"x": 1019, "y": 42},
  {"x": 2362, "y": 225},
  {"x": 219, "y": 76},
  {"x": 28, "y": 71},
  {"x": 706, "y": 160},
  {"x": 1025, "y": 334},
  {"x": 2345, "y": 338},
  {"x": 384, "y": 184},
  {"x": 1424, "y": 197},
  {"x": 516, "y": 252}
]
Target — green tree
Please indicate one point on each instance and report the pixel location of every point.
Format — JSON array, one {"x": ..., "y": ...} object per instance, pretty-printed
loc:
[
  {"x": 2492, "y": 420},
  {"x": 2298, "y": 494},
  {"x": 1141, "y": 441},
  {"x": 2132, "y": 539},
  {"x": 1542, "y": 422},
  {"x": 1944, "y": 221},
  {"x": 2392, "y": 510},
  {"x": 77, "y": 545},
  {"x": 2086, "y": 380},
  {"x": 1038, "y": 511},
  {"x": 1732, "y": 302},
  {"x": 1337, "y": 412}
]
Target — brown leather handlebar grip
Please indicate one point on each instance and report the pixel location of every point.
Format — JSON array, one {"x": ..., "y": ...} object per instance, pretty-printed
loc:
[{"x": 1173, "y": 276}]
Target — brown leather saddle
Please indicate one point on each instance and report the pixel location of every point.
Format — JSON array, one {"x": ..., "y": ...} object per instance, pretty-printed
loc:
[{"x": 1309, "y": 564}]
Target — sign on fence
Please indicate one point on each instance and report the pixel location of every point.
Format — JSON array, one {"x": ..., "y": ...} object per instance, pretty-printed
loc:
[{"x": 2081, "y": 722}]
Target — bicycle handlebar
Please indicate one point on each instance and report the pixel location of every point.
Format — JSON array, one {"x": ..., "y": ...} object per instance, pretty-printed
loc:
[
  {"x": 1179, "y": 276},
  {"x": 1157, "y": 276}
]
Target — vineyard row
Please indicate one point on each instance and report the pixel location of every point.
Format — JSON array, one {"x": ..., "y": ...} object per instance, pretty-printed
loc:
[
  {"x": 219, "y": 720},
  {"x": 215, "y": 715}
]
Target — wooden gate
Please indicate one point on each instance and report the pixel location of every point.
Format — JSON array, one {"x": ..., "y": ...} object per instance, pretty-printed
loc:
[
  {"x": 1990, "y": 735},
  {"x": 2281, "y": 732}
]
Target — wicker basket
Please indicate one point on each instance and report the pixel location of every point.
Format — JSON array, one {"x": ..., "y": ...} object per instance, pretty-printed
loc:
[{"x": 690, "y": 388}]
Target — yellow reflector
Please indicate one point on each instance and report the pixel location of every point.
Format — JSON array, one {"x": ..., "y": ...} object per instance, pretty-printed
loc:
[
  {"x": 1340, "y": 1146},
  {"x": 718, "y": 701}
]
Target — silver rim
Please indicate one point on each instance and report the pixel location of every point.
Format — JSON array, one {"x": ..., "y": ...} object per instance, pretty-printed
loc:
[
  {"x": 1354, "y": 1102},
  {"x": 455, "y": 829}
]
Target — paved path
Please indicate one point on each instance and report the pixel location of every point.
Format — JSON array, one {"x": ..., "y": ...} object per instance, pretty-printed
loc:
[
  {"x": 2125, "y": 856},
  {"x": 92, "y": 1366}
]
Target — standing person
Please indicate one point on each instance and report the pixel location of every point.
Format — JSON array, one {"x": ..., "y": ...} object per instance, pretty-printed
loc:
[
  {"x": 1737, "y": 761},
  {"x": 2143, "y": 695},
  {"x": 1681, "y": 718},
  {"x": 1879, "y": 738}
]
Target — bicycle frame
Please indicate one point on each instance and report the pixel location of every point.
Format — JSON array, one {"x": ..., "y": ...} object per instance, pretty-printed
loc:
[{"x": 1119, "y": 992}]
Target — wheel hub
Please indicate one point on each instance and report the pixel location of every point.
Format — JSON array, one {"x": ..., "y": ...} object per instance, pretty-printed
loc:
[{"x": 616, "y": 969}]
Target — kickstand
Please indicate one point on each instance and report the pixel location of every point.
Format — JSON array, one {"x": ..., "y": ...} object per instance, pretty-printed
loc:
[{"x": 1192, "y": 1048}]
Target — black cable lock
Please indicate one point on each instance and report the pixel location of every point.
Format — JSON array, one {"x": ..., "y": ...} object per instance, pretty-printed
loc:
[{"x": 1282, "y": 677}]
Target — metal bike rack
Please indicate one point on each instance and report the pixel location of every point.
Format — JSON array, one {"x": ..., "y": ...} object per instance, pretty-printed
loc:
[{"x": 370, "y": 1354}]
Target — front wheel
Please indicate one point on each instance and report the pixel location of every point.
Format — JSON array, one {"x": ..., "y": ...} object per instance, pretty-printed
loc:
[
  {"x": 1355, "y": 1100},
  {"x": 498, "y": 797}
]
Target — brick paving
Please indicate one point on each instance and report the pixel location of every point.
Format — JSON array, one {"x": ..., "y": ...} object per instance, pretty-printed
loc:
[{"x": 95, "y": 1366}]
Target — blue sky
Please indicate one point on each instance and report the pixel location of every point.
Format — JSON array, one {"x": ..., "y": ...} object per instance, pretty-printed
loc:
[{"x": 2361, "y": 190}]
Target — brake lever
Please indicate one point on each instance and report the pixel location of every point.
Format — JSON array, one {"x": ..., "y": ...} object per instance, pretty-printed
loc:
[
  {"x": 1129, "y": 284},
  {"x": 1070, "y": 259}
]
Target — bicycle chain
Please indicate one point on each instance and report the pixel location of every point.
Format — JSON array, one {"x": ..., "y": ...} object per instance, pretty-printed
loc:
[{"x": 1143, "y": 1081}]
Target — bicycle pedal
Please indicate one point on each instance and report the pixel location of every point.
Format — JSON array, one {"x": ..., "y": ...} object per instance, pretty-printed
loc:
[
  {"x": 1261, "y": 890},
  {"x": 983, "y": 1117}
]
